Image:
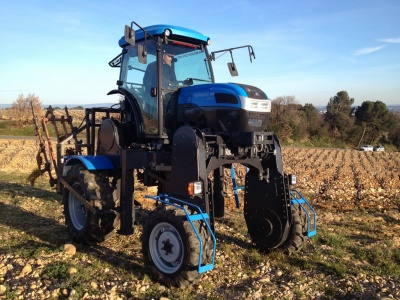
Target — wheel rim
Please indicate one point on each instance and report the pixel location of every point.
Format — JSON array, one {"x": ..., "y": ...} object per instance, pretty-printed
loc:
[
  {"x": 166, "y": 248},
  {"x": 77, "y": 211}
]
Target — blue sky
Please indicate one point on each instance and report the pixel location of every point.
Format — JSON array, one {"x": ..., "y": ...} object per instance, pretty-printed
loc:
[{"x": 59, "y": 50}]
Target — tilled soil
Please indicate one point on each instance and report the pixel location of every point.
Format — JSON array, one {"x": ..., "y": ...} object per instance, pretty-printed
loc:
[{"x": 38, "y": 260}]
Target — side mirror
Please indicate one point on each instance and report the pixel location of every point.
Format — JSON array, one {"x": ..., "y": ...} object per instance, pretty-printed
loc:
[
  {"x": 188, "y": 82},
  {"x": 232, "y": 69},
  {"x": 142, "y": 54},
  {"x": 129, "y": 35}
]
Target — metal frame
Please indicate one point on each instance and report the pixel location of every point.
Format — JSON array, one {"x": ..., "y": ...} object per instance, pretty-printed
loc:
[{"x": 298, "y": 199}]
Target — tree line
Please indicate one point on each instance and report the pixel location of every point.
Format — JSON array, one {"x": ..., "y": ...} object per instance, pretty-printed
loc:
[{"x": 341, "y": 125}]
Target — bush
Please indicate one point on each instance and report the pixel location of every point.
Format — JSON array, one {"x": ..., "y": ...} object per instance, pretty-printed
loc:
[{"x": 21, "y": 109}]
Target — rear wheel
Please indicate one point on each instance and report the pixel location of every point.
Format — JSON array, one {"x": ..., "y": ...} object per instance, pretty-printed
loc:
[
  {"x": 83, "y": 225},
  {"x": 171, "y": 248},
  {"x": 297, "y": 234}
]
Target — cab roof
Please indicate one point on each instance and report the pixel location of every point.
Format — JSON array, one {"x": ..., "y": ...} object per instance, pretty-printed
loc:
[{"x": 175, "y": 31}]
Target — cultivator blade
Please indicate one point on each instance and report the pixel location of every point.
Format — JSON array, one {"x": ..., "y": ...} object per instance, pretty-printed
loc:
[
  {"x": 266, "y": 211},
  {"x": 267, "y": 200}
]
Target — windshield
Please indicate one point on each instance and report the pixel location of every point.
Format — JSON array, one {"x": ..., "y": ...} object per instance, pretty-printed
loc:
[
  {"x": 186, "y": 63},
  {"x": 182, "y": 65},
  {"x": 189, "y": 63}
]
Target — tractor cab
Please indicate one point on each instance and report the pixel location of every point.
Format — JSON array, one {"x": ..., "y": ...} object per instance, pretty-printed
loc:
[
  {"x": 154, "y": 64},
  {"x": 166, "y": 76}
]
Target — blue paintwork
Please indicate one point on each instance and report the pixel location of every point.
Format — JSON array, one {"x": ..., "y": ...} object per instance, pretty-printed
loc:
[
  {"x": 97, "y": 162},
  {"x": 203, "y": 94},
  {"x": 298, "y": 199},
  {"x": 235, "y": 186},
  {"x": 155, "y": 30}
]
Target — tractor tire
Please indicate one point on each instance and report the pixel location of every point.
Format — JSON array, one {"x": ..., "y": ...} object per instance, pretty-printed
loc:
[
  {"x": 83, "y": 225},
  {"x": 297, "y": 234},
  {"x": 171, "y": 248}
]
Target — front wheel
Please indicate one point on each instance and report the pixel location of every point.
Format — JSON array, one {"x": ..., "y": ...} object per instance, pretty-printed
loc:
[{"x": 171, "y": 248}]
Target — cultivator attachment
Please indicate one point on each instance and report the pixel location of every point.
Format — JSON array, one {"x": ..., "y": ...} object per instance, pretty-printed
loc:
[
  {"x": 67, "y": 141},
  {"x": 42, "y": 154},
  {"x": 236, "y": 187}
]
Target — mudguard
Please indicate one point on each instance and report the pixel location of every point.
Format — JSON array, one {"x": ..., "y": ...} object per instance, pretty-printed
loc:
[{"x": 91, "y": 162}]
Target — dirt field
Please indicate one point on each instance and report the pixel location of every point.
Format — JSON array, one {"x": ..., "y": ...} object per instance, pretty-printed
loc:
[
  {"x": 355, "y": 254},
  {"x": 18, "y": 155},
  {"x": 334, "y": 178}
]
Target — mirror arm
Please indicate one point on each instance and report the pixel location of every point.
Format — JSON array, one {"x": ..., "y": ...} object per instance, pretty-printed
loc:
[
  {"x": 249, "y": 47},
  {"x": 230, "y": 51},
  {"x": 251, "y": 53},
  {"x": 145, "y": 32},
  {"x": 143, "y": 55}
]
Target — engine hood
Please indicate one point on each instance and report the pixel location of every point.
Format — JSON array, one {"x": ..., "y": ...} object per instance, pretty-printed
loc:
[{"x": 235, "y": 95}]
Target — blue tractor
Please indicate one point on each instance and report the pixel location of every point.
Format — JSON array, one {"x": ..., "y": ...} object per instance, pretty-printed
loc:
[{"x": 175, "y": 128}]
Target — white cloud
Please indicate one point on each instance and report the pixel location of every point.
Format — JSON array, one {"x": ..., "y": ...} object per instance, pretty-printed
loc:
[
  {"x": 391, "y": 40},
  {"x": 368, "y": 50}
]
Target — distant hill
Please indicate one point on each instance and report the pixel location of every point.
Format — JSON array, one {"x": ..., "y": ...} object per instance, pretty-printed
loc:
[{"x": 394, "y": 107}]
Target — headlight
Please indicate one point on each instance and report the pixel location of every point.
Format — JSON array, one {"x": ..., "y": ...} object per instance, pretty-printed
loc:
[
  {"x": 195, "y": 188},
  {"x": 292, "y": 179}
]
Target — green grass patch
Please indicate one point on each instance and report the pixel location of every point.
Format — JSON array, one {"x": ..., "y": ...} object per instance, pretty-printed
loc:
[
  {"x": 382, "y": 261},
  {"x": 11, "y": 128},
  {"x": 335, "y": 241},
  {"x": 57, "y": 270},
  {"x": 17, "y": 187},
  {"x": 78, "y": 281}
]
